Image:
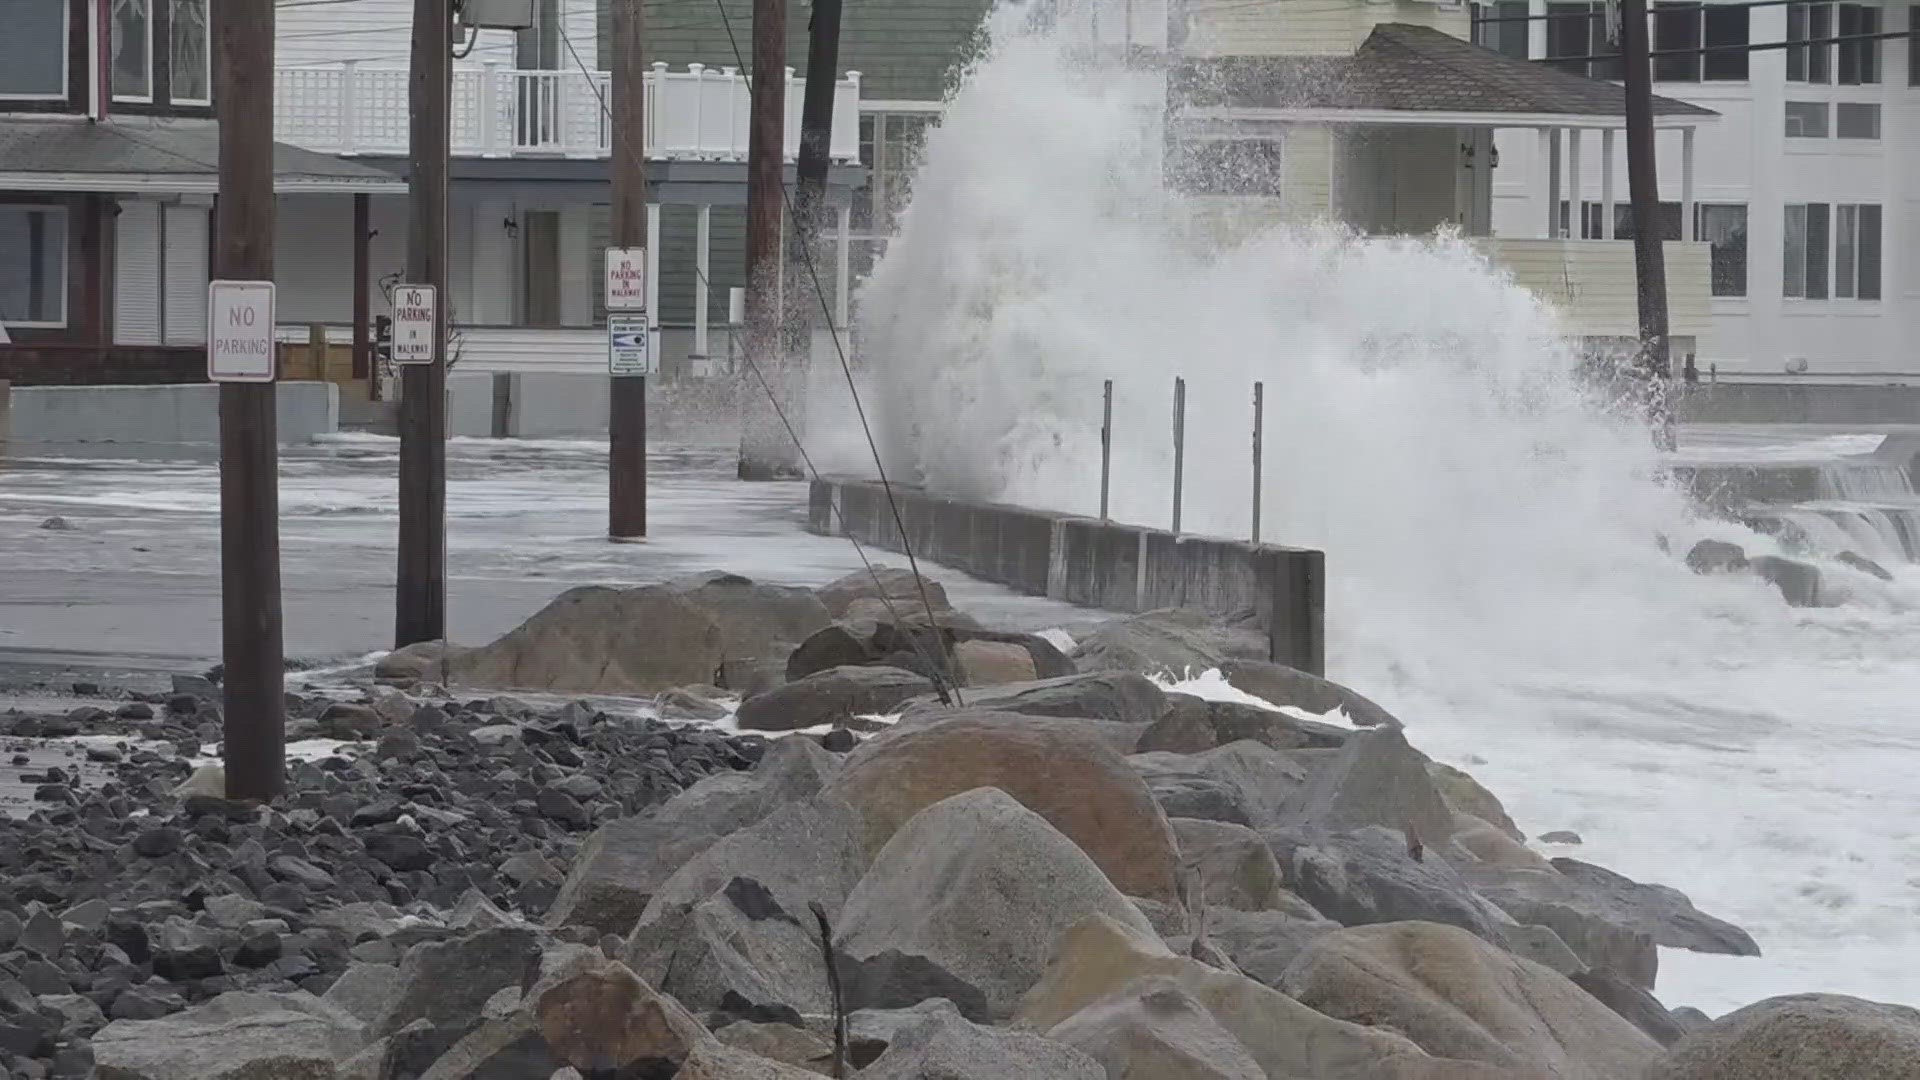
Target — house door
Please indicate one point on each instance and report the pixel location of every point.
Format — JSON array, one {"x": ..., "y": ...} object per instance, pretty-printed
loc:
[{"x": 542, "y": 270}]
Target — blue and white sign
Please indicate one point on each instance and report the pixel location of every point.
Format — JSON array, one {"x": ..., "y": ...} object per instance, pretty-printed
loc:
[{"x": 629, "y": 347}]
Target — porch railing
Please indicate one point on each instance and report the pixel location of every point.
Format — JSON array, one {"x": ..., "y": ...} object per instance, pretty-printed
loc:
[{"x": 700, "y": 114}]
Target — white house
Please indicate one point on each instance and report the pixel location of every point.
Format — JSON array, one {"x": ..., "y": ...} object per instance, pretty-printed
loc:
[{"x": 1805, "y": 190}]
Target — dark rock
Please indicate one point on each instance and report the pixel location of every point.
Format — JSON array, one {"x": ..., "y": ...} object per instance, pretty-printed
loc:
[
  {"x": 1119, "y": 696},
  {"x": 559, "y": 806},
  {"x": 1664, "y": 913},
  {"x": 400, "y": 851},
  {"x": 43, "y": 979},
  {"x": 839, "y": 741},
  {"x": 891, "y": 582},
  {"x": 183, "y": 951},
  {"x": 183, "y": 705},
  {"x": 43, "y": 934},
  {"x": 448, "y": 982},
  {"x": 26, "y": 1040},
  {"x": 1589, "y": 926},
  {"x": 1865, "y": 565},
  {"x": 197, "y": 686},
  {"x": 1797, "y": 581},
  {"x": 1188, "y": 796},
  {"x": 258, "y": 950},
  {"x": 135, "y": 710},
  {"x": 10, "y": 930},
  {"x": 301, "y": 872},
  {"x": 1366, "y": 877},
  {"x": 1716, "y": 557},
  {"x": 350, "y": 722},
  {"x": 1638, "y": 1006},
  {"x": 145, "y": 1003},
  {"x": 895, "y": 980},
  {"x": 90, "y": 915},
  {"x": 1378, "y": 779},
  {"x": 690, "y": 703},
  {"x": 833, "y": 696},
  {"x": 1560, "y": 836}
]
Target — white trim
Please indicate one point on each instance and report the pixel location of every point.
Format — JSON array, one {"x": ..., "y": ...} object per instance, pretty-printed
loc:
[
  {"x": 132, "y": 99},
  {"x": 66, "y": 63},
  {"x": 193, "y": 184},
  {"x": 902, "y": 105},
  {"x": 1424, "y": 118},
  {"x": 66, "y": 266}
]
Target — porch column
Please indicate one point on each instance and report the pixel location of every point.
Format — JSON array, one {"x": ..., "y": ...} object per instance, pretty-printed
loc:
[
  {"x": 1606, "y": 184},
  {"x": 843, "y": 270},
  {"x": 702, "y": 259},
  {"x": 653, "y": 282},
  {"x": 1576, "y": 227},
  {"x": 1687, "y": 229},
  {"x": 362, "y": 282},
  {"x": 1550, "y": 149}
]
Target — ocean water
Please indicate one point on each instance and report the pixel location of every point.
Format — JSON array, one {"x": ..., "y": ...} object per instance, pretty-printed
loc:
[{"x": 1503, "y": 549}]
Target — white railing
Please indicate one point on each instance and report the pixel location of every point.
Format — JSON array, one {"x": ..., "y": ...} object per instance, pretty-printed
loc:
[{"x": 700, "y": 114}]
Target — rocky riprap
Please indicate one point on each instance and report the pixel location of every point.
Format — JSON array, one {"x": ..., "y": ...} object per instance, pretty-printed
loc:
[{"x": 1076, "y": 875}]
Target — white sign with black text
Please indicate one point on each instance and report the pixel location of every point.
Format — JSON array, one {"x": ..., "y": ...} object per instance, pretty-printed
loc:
[
  {"x": 629, "y": 346},
  {"x": 415, "y": 310},
  {"x": 240, "y": 331},
  {"x": 626, "y": 288}
]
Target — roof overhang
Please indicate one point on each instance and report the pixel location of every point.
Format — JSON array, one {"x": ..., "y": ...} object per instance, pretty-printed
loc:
[
  {"x": 1429, "y": 118},
  {"x": 192, "y": 183}
]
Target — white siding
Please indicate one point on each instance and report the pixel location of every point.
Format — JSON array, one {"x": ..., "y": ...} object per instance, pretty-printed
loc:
[
  {"x": 185, "y": 262},
  {"x": 1306, "y": 27},
  {"x": 380, "y": 32},
  {"x": 136, "y": 273}
]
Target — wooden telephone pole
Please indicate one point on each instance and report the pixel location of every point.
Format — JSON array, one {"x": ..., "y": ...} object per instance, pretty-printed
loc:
[
  {"x": 1643, "y": 189},
  {"x": 252, "y": 650},
  {"x": 816, "y": 144},
  {"x": 627, "y": 396},
  {"x": 764, "y": 450},
  {"x": 420, "y": 601}
]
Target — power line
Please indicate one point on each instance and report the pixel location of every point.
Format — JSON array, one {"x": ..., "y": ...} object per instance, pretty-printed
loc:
[
  {"x": 944, "y": 676},
  {"x": 1715, "y": 50}
]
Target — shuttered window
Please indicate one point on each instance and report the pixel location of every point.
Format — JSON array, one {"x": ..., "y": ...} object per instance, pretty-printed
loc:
[
  {"x": 136, "y": 274},
  {"x": 185, "y": 282}
]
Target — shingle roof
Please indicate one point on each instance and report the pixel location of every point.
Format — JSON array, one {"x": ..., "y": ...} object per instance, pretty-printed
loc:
[
  {"x": 1402, "y": 67},
  {"x": 142, "y": 146}
]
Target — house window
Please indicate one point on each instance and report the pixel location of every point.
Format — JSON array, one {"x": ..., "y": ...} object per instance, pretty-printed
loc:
[
  {"x": 1726, "y": 38},
  {"x": 890, "y": 145},
  {"x": 1724, "y": 226},
  {"x": 1856, "y": 120},
  {"x": 1805, "y": 268},
  {"x": 1575, "y": 30},
  {"x": 1809, "y": 63},
  {"x": 191, "y": 82},
  {"x": 33, "y": 52},
  {"x": 1687, "y": 25},
  {"x": 1592, "y": 213},
  {"x": 1856, "y": 251},
  {"x": 1913, "y": 44},
  {"x": 1806, "y": 119},
  {"x": 1676, "y": 26},
  {"x": 1228, "y": 167},
  {"x": 1859, "y": 60},
  {"x": 132, "y": 62},
  {"x": 33, "y": 266},
  {"x": 1503, "y": 28}
]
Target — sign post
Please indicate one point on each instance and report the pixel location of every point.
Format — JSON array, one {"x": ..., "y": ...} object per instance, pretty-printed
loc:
[
  {"x": 629, "y": 361},
  {"x": 629, "y": 349},
  {"x": 414, "y": 308}
]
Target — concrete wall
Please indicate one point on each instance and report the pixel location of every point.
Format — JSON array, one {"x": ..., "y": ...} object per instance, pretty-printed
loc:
[
  {"x": 1094, "y": 563},
  {"x": 1801, "y": 403},
  {"x": 157, "y": 414}
]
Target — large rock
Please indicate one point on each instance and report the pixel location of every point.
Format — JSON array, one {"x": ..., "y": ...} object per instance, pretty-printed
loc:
[
  {"x": 1193, "y": 725},
  {"x": 796, "y": 1046},
  {"x": 1118, "y": 696},
  {"x": 982, "y": 886},
  {"x": 1639, "y": 1007},
  {"x": 595, "y": 639},
  {"x": 943, "y": 1046},
  {"x": 1368, "y": 876},
  {"x": 756, "y": 620},
  {"x": 1263, "y": 943},
  {"x": 811, "y": 851},
  {"x": 1264, "y": 785},
  {"x": 1488, "y": 844},
  {"x": 1100, "y": 957},
  {"x": 904, "y": 637},
  {"x": 1285, "y": 686},
  {"x": 606, "y": 1020},
  {"x": 717, "y": 1061},
  {"x": 624, "y": 862},
  {"x": 1082, "y": 787},
  {"x": 1466, "y": 796},
  {"x": 418, "y": 662},
  {"x": 1378, "y": 779},
  {"x": 365, "y": 991},
  {"x": 993, "y": 663},
  {"x": 1154, "y": 1028},
  {"x": 737, "y": 953},
  {"x": 1596, "y": 930},
  {"x": 1716, "y": 557},
  {"x": 1664, "y": 913},
  {"x": 1798, "y": 582},
  {"x": 1801, "y": 1037},
  {"x": 895, "y": 583},
  {"x": 1171, "y": 641},
  {"x": 834, "y": 696},
  {"x": 447, "y": 983},
  {"x": 236, "y": 1036},
  {"x": 1458, "y": 996},
  {"x": 1235, "y": 866}
]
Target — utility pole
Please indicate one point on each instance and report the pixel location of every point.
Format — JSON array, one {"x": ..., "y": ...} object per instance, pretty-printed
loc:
[
  {"x": 420, "y": 601},
  {"x": 252, "y": 650},
  {"x": 1643, "y": 191},
  {"x": 816, "y": 140},
  {"x": 627, "y": 396},
  {"x": 764, "y": 450}
]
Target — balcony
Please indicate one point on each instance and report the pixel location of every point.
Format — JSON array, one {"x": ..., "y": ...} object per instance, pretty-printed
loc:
[{"x": 700, "y": 114}]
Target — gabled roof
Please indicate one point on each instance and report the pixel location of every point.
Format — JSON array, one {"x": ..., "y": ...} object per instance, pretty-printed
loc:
[
  {"x": 1406, "y": 68},
  {"x": 70, "y": 153}
]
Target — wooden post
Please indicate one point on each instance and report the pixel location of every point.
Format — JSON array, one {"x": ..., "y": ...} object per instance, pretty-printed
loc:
[
  {"x": 1259, "y": 457},
  {"x": 816, "y": 144},
  {"x": 627, "y": 396},
  {"x": 420, "y": 608},
  {"x": 1179, "y": 448},
  {"x": 362, "y": 283},
  {"x": 252, "y": 651},
  {"x": 765, "y": 449},
  {"x": 1106, "y": 446}
]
